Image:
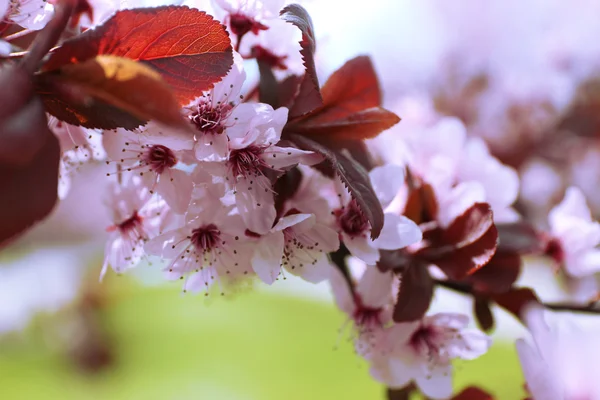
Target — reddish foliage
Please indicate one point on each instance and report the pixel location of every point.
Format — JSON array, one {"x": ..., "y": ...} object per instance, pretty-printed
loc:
[
  {"x": 515, "y": 300},
  {"x": 519, "y": 237},
  {"x": 473, "y": 393},
  {"x": 189, "y": 48},
  {"x": 421, "y": 205},
  {"x": 109, "y": 92},
  {"x": 466, "y": 245},
  {"x": 499, "y": 274},
  {"x": 309, "y": 96},
  {"x": 415, "y": 294},
  {"x": 351, "y": 106},
  {"x": 354, "y": 176},
  {"x": 483, "y": 313}
]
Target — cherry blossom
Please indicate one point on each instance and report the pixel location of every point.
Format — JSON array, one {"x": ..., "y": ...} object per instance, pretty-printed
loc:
[
  {"x": 557, "y": 363},
  {"x": 369, "y": 303},
  {"x": 245, "y": 16},
  {"x": 574, "y": 235},
  {"x": 250, "y": 159},
  {"x": 154, "y": 163},
  {"x": 422, "y": 351},
  {"x": 79, "y": 146},
  {"x": 461, "y": 170},
  {"x": 305, "y": 229},
  {"x": 30, "y": 14},
  {"x": 354, "y": 229},
  {"x": 136, "y": 217},
  {"x": 210, "y": 247},
  {"x": 298, "y": 243}
]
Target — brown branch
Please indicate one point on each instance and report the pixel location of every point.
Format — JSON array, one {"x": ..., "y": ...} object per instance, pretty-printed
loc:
[{"x": 467, "y": 289}]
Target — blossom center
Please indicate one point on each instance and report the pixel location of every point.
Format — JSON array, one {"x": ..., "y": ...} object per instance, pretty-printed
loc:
[
  {"x": 242, "y": 24},
  {"x": 159, "y": 158},
  {"x": 351, "y": 220},
  {"x": 206, "y": 237},
  {"x": 366, "y": 316},
  {"x": 247, "y": 162},
  {"x": 555, "y": 250},
  {"x": 132, "y": 224},
  {"x": 208, "y": 119}
]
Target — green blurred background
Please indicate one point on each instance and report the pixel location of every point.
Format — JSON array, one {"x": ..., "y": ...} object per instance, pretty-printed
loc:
[{"x": 155, "y": 343}]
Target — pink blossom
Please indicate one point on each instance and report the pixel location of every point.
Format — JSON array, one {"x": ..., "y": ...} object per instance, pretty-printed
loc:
[
  {"x": 154, "y": 163},
  {"x": 136, "y": 218},
  {"x": 422, "y": 351},
  {"x": 30, "y": 14},
  {"x": 370, "y": 303},
  {"x": 355, "y": 230},
  {"x": 559, "y": 364},
  {"x": 209, "y": 248},
  {"x": 219, "y": 115},
  {"x": 299, "y": 244},
  {"x": 79, "y": 146},
  {"x": 574, "y": 235},
  {"x": 250, "y": 158},
  {"x": 461, "y": 170},
  {"x": 245, "y": 16},
  {"x": 302, "y": 237}
]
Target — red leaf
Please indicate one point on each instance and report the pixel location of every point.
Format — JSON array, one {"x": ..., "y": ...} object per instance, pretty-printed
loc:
[
  {"x": 354, "y": 87},
  {"x": 365, "y": 124},
  {"x": 421, "y": 205},
  {"x": 351, "y": 109},
  {"x": 189, "y": 48},
  {"x": 498, "y": 275},
  {"x": 29, "y": 156},
  {"x": 354, "y": 176},
  {"x": 483, "y": 314},
  {"x": 309, "y": 96},
  {"x": 466, "y": 245},
  {"x": 515, "y": 300},
  {"x": 469, "y": 227},
  {"x": 109, "y": 92},
  {"x": 519, "y": 237},
  {"x": 473, "y": 393},
  {"x": 415, "y": 294},
  {"x": 466, "y": 260}
]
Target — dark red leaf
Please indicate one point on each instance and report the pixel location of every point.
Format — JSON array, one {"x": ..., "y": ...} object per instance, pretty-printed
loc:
[
  {"x": 393, "y": 260},
  {"x": 515, "y": 300},
  {"x": 351, "y": 111},
  {"x": 519, "y": 237},
  {"x": 354, "y": 176},
  {"x": 354, "y": 87},
  {"x": 498, "y": 275},
  {"x": 415, "y": 294},
  {"x": 268, "y": 87},
  {"x": 465, "y": 246},
  {"x": 285, "y": 188},
  {"x": 186, "y": 46},
  {"x": 473, "y": 393},
  {"x": 421, "y": 205},
  {"x": 309, "y": 96},
  {"x": 464, "y": 261},
  {"x": 83, "y": 91},
  {"x": 29, "y": 192},
  {"x": 400, "y": 394},
  {"x": 29, "y": 156},
  {"x": 365, "y": 124},
  {"x": 483, "y": 314},
  {"x": 469, "y": 227}
]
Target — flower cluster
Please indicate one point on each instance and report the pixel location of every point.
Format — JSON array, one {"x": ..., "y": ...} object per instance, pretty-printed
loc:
[{"x": 231, "y": 177}]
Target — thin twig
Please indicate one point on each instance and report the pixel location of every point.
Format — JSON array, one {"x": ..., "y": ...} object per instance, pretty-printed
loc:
[
  {"x": 468, "y": 290},
  {"x": 48, "y": 36}
]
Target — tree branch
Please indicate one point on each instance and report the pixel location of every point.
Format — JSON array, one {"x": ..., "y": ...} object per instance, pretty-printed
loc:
[{"x": 467, "y": 289}]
